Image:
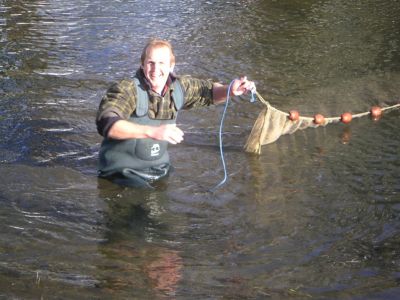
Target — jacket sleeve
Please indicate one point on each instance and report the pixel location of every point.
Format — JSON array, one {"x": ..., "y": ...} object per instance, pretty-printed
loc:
[
  {"x": 119, "y": 102},
  {"x": 198, "y": 92}
]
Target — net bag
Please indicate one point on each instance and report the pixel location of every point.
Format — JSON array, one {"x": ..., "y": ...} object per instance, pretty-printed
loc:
[{"x": 273, "y": 123}]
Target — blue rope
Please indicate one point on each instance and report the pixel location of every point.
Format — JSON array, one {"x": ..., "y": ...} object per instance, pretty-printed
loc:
[{"x": 221, "y": 150}]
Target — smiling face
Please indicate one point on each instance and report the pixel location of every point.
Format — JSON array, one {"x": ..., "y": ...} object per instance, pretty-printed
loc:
[{"x": 157, "y": 65}]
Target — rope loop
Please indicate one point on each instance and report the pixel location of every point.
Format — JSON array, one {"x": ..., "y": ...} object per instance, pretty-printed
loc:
[{"x": 221, "y": 148}]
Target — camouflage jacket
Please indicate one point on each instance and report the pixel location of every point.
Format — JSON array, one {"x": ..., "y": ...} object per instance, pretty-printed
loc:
[{"x": 119, "y": 102}]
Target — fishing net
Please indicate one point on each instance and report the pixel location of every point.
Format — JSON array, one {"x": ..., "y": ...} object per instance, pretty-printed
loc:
[{"x": 273, "y": 123}]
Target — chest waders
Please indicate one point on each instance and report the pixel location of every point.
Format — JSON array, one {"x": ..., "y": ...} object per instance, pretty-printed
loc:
[{"x": 134, "y": 162}]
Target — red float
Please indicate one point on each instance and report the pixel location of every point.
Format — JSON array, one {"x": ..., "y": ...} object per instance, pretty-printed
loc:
[
  {"x": 319, "y": 119},
  {"x": 346, "y": 117},
  {"x": 294, "y": 115},
  {"x": 376, "y": 112}
]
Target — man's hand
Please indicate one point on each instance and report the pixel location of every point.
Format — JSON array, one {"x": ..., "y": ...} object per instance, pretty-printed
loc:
[
  {"x": 169, "y": 132},
  {"x": 242, "y": 86},
  {"x": 239, "y": 87}
]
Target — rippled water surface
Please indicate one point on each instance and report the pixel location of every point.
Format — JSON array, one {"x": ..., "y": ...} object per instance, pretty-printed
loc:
[{"x": 316, "y": 215}]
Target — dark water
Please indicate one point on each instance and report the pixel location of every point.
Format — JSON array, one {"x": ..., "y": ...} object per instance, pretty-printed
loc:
[{"x": 316, "y": 215}]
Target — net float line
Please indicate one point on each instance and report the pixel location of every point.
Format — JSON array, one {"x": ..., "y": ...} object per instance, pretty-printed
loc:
[
  {"x": 333, "y": 119},
  {"x": 272, "y": 123}
]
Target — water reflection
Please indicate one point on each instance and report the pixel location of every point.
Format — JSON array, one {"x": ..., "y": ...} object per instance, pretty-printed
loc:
[{"x": 138, "y": 261}]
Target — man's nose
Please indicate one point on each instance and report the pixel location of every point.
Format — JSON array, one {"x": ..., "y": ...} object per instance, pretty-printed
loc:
[{"x": 156, "y": 67}]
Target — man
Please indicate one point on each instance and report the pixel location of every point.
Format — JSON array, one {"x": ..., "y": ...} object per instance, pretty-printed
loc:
[{"x": 137, "y": 117}]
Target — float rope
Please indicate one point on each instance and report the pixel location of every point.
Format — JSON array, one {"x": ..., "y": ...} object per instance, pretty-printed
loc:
[{"x": 329, "y": 119}]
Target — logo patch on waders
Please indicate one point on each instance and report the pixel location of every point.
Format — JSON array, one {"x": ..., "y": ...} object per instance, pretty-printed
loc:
[{"x": 155, "y": 150}]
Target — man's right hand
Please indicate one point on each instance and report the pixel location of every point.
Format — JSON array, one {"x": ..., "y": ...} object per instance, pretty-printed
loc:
[
  {"x": 169, "y": 132},
  {"x": 123, "y": 129}
]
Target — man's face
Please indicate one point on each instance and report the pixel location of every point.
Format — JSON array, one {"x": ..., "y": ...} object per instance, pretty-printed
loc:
[{"x": 157, "y": 66}]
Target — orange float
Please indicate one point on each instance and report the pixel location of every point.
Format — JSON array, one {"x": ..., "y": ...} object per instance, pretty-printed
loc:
[
  {"x": 319, "y": 119},
  {"x": 376, "y": 112},
  {"x": 346, "y": 117},
  {"x": 294, "y": 115}
]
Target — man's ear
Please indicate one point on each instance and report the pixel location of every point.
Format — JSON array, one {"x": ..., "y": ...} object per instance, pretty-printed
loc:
[{"x": 171, "y": 69}]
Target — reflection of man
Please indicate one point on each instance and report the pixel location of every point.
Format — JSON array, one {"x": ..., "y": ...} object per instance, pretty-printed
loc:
[
  {"x": 165, "y": 271},
  {"x": 141, "y": 265},
  {"x": 137, "y": 117}
]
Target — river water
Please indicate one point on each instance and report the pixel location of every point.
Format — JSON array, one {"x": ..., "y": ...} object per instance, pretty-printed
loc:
[{"x": 316, "y": 215}]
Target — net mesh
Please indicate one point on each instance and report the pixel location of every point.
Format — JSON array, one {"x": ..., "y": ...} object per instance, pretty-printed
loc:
[{"x": 273, "y": 123}]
